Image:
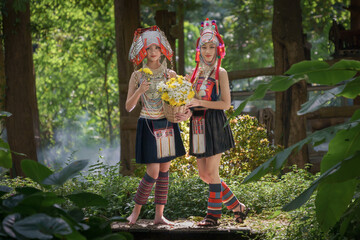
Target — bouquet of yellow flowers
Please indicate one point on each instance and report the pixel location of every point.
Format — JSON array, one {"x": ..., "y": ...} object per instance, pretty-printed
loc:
[
  {"x": 147, "y": 72},
  {"x": 175, "y": 93}
]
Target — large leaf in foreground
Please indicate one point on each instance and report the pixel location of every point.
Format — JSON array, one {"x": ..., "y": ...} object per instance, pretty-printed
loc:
[
  {"x": 352, "y": 89},
  {"x": 85, "y": 199},
  {"x": 332, "y": 199},
  {"x": 336, "y": 174},
  {"x": 70, "y": 171},
  {"x": 318, "y": 101},
  {"x": 42, "y": 226},
  {"x": 35, "y": 170},
  {"x": 316, "y": 138}
]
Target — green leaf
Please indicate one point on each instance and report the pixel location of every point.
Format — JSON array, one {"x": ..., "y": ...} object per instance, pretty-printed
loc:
[
  {"x": 282, "y": 83},
  {"x": 332, "y": 200},
  {"x": 260, "y": 171},
  {"x": 8, "y": 222},
  {"x": 356, "y": 115},
  {"x": 276, "y": 162},
  {"x": 87, "y": 199},
  {"x": 5, "y": 114},
  {"x": 42, "y": 199},
  {"x": 4, "y": 190},
  {"x": 305, "y": 67},
  {"x": 349, "y": 169},
  {"x": 305, "y": 195},
  {"x": 301, "y": 199},
  {"x": 41, "y": 226},
  {"x": 67, "y": 173},
  {"x": 35, "y": 170},
  {"x": 352, "y": 89},
  {"x": 5, "y": 155},
  {"x": 343, "y": 145},
  {"x": 260, "y": 92},
  {"x": 318, "y": 101},
  {"x": 27, "y": 190},
  {"x": 347, "y": 64}
]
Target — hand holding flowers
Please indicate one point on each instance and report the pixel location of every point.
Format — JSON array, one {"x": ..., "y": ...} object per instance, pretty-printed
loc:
[{"x": 176, "y": 93}]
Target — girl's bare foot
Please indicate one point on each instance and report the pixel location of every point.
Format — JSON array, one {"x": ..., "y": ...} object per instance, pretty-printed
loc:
[
  {"x": 132, "y": 218},
  {"x": 240, "y": 208},
  {"x": 162, "y": 221}
]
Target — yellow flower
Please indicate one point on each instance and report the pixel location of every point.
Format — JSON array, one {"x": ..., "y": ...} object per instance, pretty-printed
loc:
[
  {"x": 172, "y": 102},
  {"x": 165, "y": 96},
  {"x": 191, "y": 95},
  {"x": 160, "y": 89},
  {"x": 147, "y": 71}
]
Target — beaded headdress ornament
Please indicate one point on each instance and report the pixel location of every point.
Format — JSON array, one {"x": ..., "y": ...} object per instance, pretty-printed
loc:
[
  {"x": 144, "y": 38},
  {"x": 209, "y": 33}
]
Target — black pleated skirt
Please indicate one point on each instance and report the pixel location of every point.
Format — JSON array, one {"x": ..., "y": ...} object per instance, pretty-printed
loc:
[
  {"x": 218, "y": 138},
  {"x": 146, "y": 148}
]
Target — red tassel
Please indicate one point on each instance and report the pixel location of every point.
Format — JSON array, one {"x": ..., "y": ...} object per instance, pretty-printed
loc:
[
  {"x": 217, "y": 76},
  {"x": 197, "y": 56},
  {"x": 194, "y": 73}
]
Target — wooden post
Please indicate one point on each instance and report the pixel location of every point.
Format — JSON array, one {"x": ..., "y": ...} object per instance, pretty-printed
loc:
[
  {"x": 127, "y": 20},
  {"x": 181, "y": 42},
  {"x": 289, "y": 44}
]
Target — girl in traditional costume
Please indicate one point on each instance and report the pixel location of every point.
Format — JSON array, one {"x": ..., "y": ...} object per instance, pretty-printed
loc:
[
  {"x": 208, "y": 136},
  {"x": 158, "y": 141}
]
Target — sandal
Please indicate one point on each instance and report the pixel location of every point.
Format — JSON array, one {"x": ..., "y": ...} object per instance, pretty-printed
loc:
[
  {"x": 241, "y": 215},
  {"x": 208, "y": 221}
]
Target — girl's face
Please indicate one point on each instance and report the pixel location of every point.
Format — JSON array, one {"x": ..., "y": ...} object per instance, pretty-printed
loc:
[
  {"x": 208, "y": 51},
  {"x": 153, "y": 53}
]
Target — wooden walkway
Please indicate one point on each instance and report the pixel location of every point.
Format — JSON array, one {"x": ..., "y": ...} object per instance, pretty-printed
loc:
[{"x": 183, "y": 230}]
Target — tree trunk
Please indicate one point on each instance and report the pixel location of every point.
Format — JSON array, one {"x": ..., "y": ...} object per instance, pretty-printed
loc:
[
  {"x": 20, "y": 91},
  {"x": 289, "y": 49},
  {"x": 181, "y": 42},
  {"x": 355, "y": 25},
  {"x": 166, "y": 21},
  {"x": 2, "y": 83},
  {"x": 127, "y": 20}
]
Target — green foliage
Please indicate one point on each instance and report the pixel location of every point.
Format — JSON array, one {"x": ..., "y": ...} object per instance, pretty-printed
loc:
[
  {"x": 76, "y": 74},
  {"x": 5, "y": 155},
  {"x": 188, "y": 199},
  {"x": 30, "y": 211},
  {"x": 252, "y": 148},
  {"x": 339, "y": 177}
]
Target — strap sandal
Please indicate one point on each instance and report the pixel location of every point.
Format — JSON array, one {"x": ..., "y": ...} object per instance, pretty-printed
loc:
[
  {"x": 241, "y": 215},
  {"x": 208, "y": 221}
]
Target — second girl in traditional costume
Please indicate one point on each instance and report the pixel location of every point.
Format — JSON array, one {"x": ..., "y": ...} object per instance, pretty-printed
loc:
[{"x": 208, "y": 136}]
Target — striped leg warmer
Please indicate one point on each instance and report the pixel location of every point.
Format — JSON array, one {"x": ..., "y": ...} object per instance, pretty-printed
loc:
[
  {"x": 144, "y": 190},
  {"x": 228, "y": 198},
  {"x": 161, "y": 188},
  {"x": 214, "y": 201}
]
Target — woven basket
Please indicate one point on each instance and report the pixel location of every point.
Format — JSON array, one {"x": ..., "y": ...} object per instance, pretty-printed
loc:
[{"x": 170, "y": 111}]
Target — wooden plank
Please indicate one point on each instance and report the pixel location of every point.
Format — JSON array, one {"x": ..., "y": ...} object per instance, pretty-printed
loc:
[
  {"x": 240, "y": 74},
  {"x": 333, "y": 112}
]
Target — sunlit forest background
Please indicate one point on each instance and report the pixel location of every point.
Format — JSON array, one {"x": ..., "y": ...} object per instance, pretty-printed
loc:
[{"x": 75, "y": 62}]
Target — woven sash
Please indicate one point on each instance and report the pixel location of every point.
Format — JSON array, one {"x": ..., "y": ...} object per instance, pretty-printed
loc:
[
  {"x": 165, "y": 140},
  {"x": 198, "y": 131}
]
